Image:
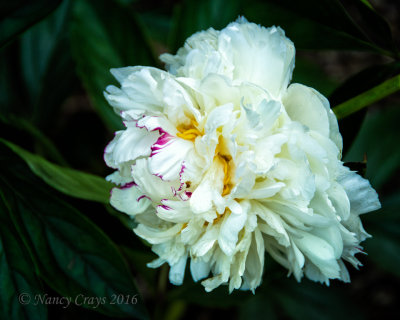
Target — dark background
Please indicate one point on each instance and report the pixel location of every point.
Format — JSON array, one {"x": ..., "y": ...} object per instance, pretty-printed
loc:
[{"x": 55, "y": 58}]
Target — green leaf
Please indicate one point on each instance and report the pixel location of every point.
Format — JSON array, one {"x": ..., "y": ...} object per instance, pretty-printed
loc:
[
  {"x": 69, "y": 181},
  {"x": 105, "y": 35},
  {"x": 363, "y": 81},
  {"x": 19, "y": 283},
  {"x": 47, "y": 66},
  {"x": 257, "y": 307},
  {"x": 378, "y": 140},
  {"x": 195, "y": 16},
  {"x": 194, "y": 293},
  {"x": 353, "y": 18},
  {"x": 367, "y": 98},
  {"x": 44, "y": 144},
  {"x": 138, "y": 260},
  {"x": 355, "y": 85},
  {"x": 73, "y": 255},
  {"x": 384, "y": 226},
  {"x": 18, "y": 15},
  {"x": 313, "y": 24},
  {"x": 311, "y": 75},
  {"x": 310, "y": 300}
]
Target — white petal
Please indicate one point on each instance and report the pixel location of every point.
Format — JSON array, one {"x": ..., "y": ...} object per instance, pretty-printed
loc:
[
  {"x": 340, "y": 200},
  {"x": 255, "y": 261},
  {"x": 140, "y": 90},
  {"x": 274, "y": 225},
  {"x": 209, "y": 189},
  {"x": 266, "y": 189},
  {"x": 167, "y": 156},
  {"x": 306, "y": 105},
  {"x": 120, "y": 179},
  {"x": 263, "y": 56},
  {"x": 320, "y": 253},
  {"x": 155, "y": 235},
  {"x": 228, "y": 234},
  {"x": 205, "y": 243},
  {"x": 363, "y": 198},
  {"x": 199, "y": 269},
  {"x": 128, "y": 145},
  {"x": 151, "y": 185},
  {"x": 174, "y": 211},
  {"x": 129, "y": 199},
  {"x": 177, "y": 271}
]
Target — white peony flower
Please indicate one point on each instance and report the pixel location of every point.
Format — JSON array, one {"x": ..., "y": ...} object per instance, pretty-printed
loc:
[{"x": 221, "y": 161}]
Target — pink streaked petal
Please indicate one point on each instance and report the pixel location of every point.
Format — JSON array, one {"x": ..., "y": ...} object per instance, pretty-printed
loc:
[
  {"x": 160, "y": 124},
  {"x": 129, "y": 144},
  {"x": 167, "y": 157},
  {"x": 151, "y": 185},
  {"x": 129, "y": 199}
]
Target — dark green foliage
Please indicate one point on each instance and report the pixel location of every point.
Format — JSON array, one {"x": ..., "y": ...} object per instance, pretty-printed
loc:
[{"x": 59, "y": 236}]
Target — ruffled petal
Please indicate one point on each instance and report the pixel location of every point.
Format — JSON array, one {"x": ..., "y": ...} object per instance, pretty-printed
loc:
[
  {"x": 129, "y": 145},
  {"x": 263, "y": 56},
  {"x": 363, "y": 198},
  {"x": 129, "y": 199}
]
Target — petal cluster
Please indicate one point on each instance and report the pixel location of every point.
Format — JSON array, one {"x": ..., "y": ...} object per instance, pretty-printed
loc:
[{"x": 222, "y": 160}]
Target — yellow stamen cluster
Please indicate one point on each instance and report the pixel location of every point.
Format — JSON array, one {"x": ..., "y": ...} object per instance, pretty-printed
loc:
[
  {"x": 225, "y": 159},
  {"x": 191, "y": 132}
]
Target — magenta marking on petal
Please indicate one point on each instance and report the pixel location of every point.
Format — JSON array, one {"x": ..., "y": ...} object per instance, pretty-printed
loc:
[
  {"x": 185, "y": 196},
  {"x": 128, "y": 185},
  {"x": 141, "y": 197},
  {"x": 158, "y": 175},
  {"x": 183, "y": 167},
  {"x": 161, "y": 142},
  {"x": 164, "y": 207}
]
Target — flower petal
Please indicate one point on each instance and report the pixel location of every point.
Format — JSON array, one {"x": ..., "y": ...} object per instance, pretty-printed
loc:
[
  {"x": 263, "y": 56},
  {"x": 363, "y": 198},
  {"x": 129, "y": 199},
  {"x": 128, "y": 145}
]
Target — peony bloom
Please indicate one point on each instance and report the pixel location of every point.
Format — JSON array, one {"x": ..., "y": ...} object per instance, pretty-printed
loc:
[{"x": 222, "y": 160}]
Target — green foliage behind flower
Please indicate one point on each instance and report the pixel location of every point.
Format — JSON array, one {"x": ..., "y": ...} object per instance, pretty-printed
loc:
[{"x": 57, "y": 234}]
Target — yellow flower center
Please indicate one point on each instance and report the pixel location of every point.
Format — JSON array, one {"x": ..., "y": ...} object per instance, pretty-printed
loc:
[{"x": 191, "y": 132}]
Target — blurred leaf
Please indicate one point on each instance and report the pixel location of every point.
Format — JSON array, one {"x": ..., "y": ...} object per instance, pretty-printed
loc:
[
  {"x": 194, "y": 16},
  {"x": 195, "y": 293},
  {"x": 138, "y": 260},
  {"x": 363, "y": 81},
  {"x": 158, "y": 26},
  {"x": 72, "y": 254},
  {"x": 12, "y": 90},
  {"x": 359, "y": 167},
  {"x": 355, "y": 85},
  {"x": 18, "y": 15},
  {"x": 18, "y": 278},
  {"x": 378, "y": 139},
  {"x": 105, "y": 35},
  {"x": 310, "y": 300},
  {"x": 257, "y": 307},
  {"x": 373, "y": 26},
  {"x": 367, "y": 98},
  {"x": 47, "y": 65},
  {"x": 69, "y": 181},
  {"x": 353, "y": 18},
  {"x": 309, "y": 74},
  {"x": 42, "y": 142},
  {"x": 384, "y": 226},
  {"x": 312, "y": 24}
]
